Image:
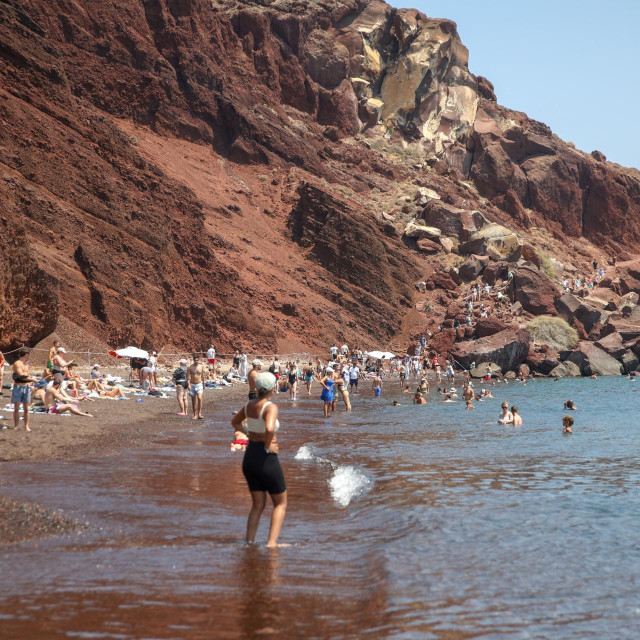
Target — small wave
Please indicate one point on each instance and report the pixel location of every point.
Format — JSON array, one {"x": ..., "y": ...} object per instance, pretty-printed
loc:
[{"x": 346, "y": 482}]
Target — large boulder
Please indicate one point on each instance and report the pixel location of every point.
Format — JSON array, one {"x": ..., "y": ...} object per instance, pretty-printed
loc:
[
  {"x": 630, "y": 362},
  {"x": 612, "y": 344},
  {"x": 495, "y": 241},
  {"x": 507, "y": 349},
  {"x": 453, "y": 221},
  {"x": 496, "y": 271},
  {"x": 534, "y": 290},
  {"x": 566, "y": 305},
  {"x": 481, "y": 370},
  {"x": 490, "y": 326},
  {"x": 628, "y": 328},
  {"x": 594, "y": 361},
  {"x": 415, "y": 230},
  {"x": 472, "y": 267},
  {"x": 565, "y": 370}
]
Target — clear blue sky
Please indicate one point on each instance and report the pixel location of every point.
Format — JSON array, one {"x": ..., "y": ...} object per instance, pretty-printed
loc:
[{"x": 572, "y": 64}]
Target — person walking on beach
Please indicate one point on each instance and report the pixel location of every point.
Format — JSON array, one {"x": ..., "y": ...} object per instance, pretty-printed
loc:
[
  {"x": 260, "y": 465},
  {"x": 195, "y": 380},
  {"x": 377, "y": 386},
  {"x": 180, "y": 381},
  {"x": 253, "y": 374},
  {"x": 327, "y": 394},
  {"x": 294, "y": 374},
  {"x": 308, "y": 377},
  {"x": 21, "y": 392}
]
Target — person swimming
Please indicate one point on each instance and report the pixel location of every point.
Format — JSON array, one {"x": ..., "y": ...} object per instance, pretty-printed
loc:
[
  {"x": 567, "y": 423},
  {"x": 506, "y": 417},
  {"x": 570, "y": 406}
]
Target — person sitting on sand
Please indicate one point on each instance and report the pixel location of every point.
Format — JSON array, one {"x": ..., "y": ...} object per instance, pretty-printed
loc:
[
  {"x": 569, "y": 406},
  {"x": 567, "y": 423},
  {"x": 418, "y": 399},
  {"x": 517, "y": 420},
  {"x": 116, "y": 392},
  {"x": 506, "y": 417},
  {"x": 57, "y": 402}
]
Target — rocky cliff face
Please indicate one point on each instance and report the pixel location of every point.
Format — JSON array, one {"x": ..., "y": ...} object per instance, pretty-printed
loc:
[{"x": 179, "y": 170}]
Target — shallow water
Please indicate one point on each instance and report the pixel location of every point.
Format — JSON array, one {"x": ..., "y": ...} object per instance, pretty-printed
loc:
[{"x": 405, "y": 522}]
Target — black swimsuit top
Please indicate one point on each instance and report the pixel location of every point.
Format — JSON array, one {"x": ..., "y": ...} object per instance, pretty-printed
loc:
[{"x": 20, "y": 378}]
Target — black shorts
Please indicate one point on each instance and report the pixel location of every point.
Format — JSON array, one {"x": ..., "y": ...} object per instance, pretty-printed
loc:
[
  {"x": 353, "y": 383},
  {"x": 262, "y": 470}
]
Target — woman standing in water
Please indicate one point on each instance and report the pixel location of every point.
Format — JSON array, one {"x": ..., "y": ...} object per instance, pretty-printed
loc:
[
  {"x": 327, "y": 390},
  {"x": 308, "y": 377},
  {"x": 260, "y": 464}
]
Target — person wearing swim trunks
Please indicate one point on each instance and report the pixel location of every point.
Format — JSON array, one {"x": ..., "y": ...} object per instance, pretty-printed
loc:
[
  {"x": 327, "y": 394},
  {"x": 21, "y": 392},
  {"x": 260, "y": 464},
  {"x": 52, "y": 352},
  {"x": 211, "y": 357},
  {"x": 377, "y": 386},
  {"x": 354, "y": 374},
  {"x": 253, "y": 374},
  {"x": 56, "y": 402},
  {"x": 195, "y": 379}
]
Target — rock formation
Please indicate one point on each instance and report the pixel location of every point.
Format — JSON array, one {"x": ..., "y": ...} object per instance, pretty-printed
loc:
[{"x": 177, "y": 171}]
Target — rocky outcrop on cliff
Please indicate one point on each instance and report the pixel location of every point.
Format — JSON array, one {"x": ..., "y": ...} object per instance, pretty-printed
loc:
[{"x": 183, "y": 168}]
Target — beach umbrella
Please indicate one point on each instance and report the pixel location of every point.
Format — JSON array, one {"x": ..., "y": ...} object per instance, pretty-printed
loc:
[
  {"x": 387, "y": 355},
  {"x": 131, "y": 352},
  {"x": 381, "y": 355}
]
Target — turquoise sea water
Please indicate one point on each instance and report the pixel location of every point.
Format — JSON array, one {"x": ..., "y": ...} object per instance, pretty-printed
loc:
[{"x": 405, "y": 522}]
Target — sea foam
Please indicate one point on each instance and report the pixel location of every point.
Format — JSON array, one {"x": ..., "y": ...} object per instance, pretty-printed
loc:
[{"x": 346, "y": 482}]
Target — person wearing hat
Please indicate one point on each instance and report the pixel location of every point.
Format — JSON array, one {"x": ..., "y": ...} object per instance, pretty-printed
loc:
[
  {"x": 253, "y": 374},
  {"x": 327, "y": 394},
  {"x": 59, "y": 363},
  {"x": 179, "y": 378},
  {"x": 260, "y": 465}
]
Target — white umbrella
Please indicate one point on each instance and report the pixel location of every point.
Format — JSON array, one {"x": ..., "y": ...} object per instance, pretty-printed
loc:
[
  {"x": 380, "y": 355},
  {"x": 132, "y": 352}
]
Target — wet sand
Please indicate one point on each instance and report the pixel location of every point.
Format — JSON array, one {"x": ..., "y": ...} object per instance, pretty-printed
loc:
[{"x": 116, "y": 425}]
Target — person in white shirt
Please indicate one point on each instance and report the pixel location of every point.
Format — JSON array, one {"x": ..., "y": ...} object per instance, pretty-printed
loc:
[
  {"x": 334, "y": 352},
  {"x": 243, "y": 364},
  {"x": 354, "y": 373},
  {"x": 345, "y": 350},
  {"x": 211, "y": 357}
]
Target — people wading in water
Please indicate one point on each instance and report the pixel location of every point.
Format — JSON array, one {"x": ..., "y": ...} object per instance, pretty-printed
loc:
[
  {"x": 260, "y": 465},
  {"x": 327, "y": 391}
]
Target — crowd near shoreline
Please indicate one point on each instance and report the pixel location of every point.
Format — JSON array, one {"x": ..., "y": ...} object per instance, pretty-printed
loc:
[{"x": 336, "y": 379}]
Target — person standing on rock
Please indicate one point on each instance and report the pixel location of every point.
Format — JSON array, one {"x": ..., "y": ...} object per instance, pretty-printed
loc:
[
  {"x": 195, "y": 379},
  {"x": 21, "y": 392}
]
